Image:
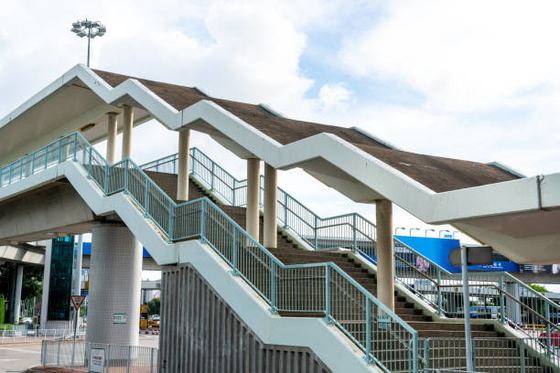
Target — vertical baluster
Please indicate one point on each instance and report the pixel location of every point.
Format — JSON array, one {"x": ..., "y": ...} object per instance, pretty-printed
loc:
[
  {"x": 368, "y": 331},
  {"x": 202, "y": 218},
  {"x": 285, "y": 210},
  {"x": 327, "y": 294},
  {"x": 439, "y": 300},
  {"x": 316, "y": 228},
  {"x": 272, "y": 285},
  {"x": 147, "y": 198},
  {"x": 170, "y": 222},
  {"x": 502, "y": 299},
  {"x": 548, "y": 330},
  {"x": 234, "y": 254},
  {"x": 125, "y": 186}
]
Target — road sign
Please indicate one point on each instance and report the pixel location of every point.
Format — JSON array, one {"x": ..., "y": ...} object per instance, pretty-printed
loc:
[{"x": 77, "y": 300}]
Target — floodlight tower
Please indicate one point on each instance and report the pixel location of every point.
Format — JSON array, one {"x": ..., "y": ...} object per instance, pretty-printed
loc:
[{"x": 88, "y": 28}]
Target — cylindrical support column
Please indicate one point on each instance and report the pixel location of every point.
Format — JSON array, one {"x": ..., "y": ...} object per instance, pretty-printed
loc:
[
  {"x": 128, "y": 120},
  {"x": 183, "y": 164},
  {"x": 253, "y": 191},
  {"x": 111, "y": 137},
  {"x": 270, "y": 195},
  {"x": 115, "y": 283},
  {"x": 46, "y": 284},
  {"x": 17, "y": 294},
  {"x": 385, "y": 260}
]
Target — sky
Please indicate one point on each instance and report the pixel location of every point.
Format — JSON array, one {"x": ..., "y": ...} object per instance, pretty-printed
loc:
[{"x": 474, "y": 80}]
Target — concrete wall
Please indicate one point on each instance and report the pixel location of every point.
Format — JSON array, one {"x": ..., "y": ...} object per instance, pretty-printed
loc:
[
  {"x": 201, "y": 333},
  {"x": 43, "y": 210}
]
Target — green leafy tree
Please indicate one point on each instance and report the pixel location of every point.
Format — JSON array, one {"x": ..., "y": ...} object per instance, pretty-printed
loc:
[
  {"x": 539, "y": 288},
  {"x": 2, "y": 309},
  {"x": 154, "y": 305}
]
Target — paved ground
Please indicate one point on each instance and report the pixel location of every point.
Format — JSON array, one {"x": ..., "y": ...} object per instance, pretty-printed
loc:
[{"x": 20, "y": 357}]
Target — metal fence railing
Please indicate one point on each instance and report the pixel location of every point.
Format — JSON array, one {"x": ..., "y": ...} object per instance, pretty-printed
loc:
[
  {"x": 504, "y": 354},
  {"x": 493, "y": 294},
  {"x": 320, "y": 287},
  {"x": 107, "y": 358},
  {"x": 20, "y": 335}
]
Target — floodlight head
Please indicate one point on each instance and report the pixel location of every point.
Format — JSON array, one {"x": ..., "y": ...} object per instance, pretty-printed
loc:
[
  {"x": 86, "y": 23},
  {"x": 76, "y": 29},
  {"x": 102, "y": 29},
  {"x": 76, "y": 24},
  {"x": 95, "y": 24},
  {"x": 81, "y": 34}
]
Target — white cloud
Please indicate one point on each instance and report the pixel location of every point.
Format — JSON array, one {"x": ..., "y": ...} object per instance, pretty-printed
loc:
[
  {"x": 462, "y": 55},
  {"x": 334, "y": 96}
]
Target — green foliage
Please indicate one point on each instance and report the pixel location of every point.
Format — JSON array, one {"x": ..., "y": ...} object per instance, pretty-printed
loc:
[
  {"x": 32, "y": 282},
  {"x": 539, "y": 288},
  {"x": 2, "y": 308},
  {"x": 154, "y": 305}
]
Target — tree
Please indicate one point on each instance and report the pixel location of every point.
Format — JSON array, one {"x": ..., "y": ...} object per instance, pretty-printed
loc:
[
  {"x": 32, "y": 282},
  {"x": 154, "y": 306},
  {"x": 539, "y": 288}
]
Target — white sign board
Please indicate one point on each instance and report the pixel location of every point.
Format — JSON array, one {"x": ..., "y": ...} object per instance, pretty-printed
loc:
[
  {"x": 120, "y": 318},
  {"x": 97, "y": 360}
]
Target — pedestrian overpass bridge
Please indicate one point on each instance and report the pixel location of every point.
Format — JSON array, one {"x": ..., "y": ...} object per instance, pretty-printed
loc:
[{"x": 243, "y": 284}]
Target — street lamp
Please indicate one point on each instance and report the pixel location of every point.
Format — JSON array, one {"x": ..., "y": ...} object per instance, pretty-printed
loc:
[
  {"x": 88, "y": 28},
  {"x": 412, "y": 229},
  {"x": 444, "y": 230},
  {"x": 428, "y": 230},
  {"x": 397, "y": 229}
]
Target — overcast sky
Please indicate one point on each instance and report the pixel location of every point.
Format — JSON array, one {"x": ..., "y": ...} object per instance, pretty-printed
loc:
[{"x": 474, "y": 80}]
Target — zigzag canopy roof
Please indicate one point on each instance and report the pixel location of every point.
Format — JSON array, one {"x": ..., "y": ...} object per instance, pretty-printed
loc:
[{"x": 437, "y": 173}]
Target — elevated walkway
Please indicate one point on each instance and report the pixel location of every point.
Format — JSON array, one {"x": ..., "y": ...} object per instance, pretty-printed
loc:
[{"x": 286, "y": 282}]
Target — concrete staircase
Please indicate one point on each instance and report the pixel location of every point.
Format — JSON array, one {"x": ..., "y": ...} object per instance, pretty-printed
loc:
[{"x": 289, "y": 253}]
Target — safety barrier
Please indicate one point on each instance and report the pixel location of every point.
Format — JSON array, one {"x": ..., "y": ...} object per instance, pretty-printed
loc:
[
  {"x": 509, "y": 355},
  {"x": 384, "y": 337},
  {"x": 107, "y": 358},
  {"x": 19, "y": 335}
]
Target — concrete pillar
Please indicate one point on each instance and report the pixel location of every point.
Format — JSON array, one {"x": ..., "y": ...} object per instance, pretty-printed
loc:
[
  {"x": 270, "y": 195},
  {"x": 115, "y": 283},
  {"x": 128, "y": 120},
  {"x": 16, "y": 300},
  {"x": 253, "y": 191},
  {"x": 183, "y": 166},
  {"x": 513, "y": 309},
  {"x": 111, "y": 137},
  {"x": 46, "y": 283},
  {"x": 385, "y": 260}
]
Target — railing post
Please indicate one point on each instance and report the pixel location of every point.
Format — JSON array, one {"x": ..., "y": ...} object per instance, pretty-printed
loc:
[
  {"x": 272, "y": 286},
  {"x": 10, "y": 175},
  {"x": 234, "y": 190},
  {"x": 522, "y": 354},
  {"x": 128, "y": 359},
  {"x": 32, "y": 166},
  {"x": 151, "y": 360},
  {"x": 502, "y": 300},
  {"x": 108, "y": 357},
  {"x": 89, "y": 163},
  {"x": 355, "y": 241},
  {"x": 439, "y": 300},
  {"x": 368, "y": 331},
  {"x": 327, "y": 294},
  {"x": 316, "y": 238},
  {"x": 548, "y": 330},
  {"x": 202, "y": 218},
  {"x": 59, "y": 150},
  {"x": 234, "y": 254},
  {"x": 58, "y": 355},
  {"x": 125, "y": 186},
  {"x": 147, "y": 198},
  {"x": 75, "y": 147},
  {"x": 46, "y": 158},
  {"x": 285, "y": 210},
  {"x": 170, "y": 223},
  {"x": 21, "y": 168},
  {"x": 213, "y": 176},
  {"x": 415, "y": 353},
  {"x": 106, "y": 177},
  {"x": 427, "y": 354}
]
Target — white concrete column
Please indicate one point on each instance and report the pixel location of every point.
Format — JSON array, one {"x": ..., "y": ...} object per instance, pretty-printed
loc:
[
  {"x": 17, "y": 294},
  {"x": 253, "y": 191},
  {"x": 111, "y": 137},
  {"x": 115, "y": 283},
  {"x": 385, "y": 260},
  {"x": 128, "y": 120},
  {"x": 183, "y": 166},
  {"x": 46, "y": 284},
  {"x": 270, "y": 195}
]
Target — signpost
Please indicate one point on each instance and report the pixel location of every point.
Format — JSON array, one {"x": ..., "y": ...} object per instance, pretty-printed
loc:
[
  {"x": 465, "y": 256},
  {"x": 77, "y": 301}
]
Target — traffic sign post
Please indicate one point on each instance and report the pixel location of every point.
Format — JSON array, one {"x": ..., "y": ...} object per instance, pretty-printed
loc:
[{"x": 77, "y": 301}]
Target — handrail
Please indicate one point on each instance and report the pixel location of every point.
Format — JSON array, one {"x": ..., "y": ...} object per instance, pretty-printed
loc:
[{"x": 327, "y": 289}]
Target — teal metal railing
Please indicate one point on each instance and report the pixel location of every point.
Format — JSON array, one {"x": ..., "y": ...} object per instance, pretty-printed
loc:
[
  {"x": 351, "y": 231},
  {"x": 313, "y": 288},
  {"x": 493, "y": 294}
]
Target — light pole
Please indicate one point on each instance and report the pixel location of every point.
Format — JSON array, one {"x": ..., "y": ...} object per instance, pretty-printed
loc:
[
  {"x": 412, "y": 229},
  {"x": 397, "y": 229},
  {"x": 444, "y": 230},
  {"x": 88, "y": 28},
  {"x": 428, "y": 230}
]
